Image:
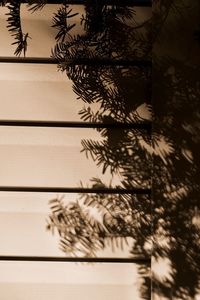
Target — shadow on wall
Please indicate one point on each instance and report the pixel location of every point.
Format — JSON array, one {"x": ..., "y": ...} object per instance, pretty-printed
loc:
[
  {"x": 176, "y": 94},
  {"x": 123, "y": 94},
  {"x": 175, "y": 208},
  {"x": 120, "y": 93},
  {"x": 175, "y": 139}
]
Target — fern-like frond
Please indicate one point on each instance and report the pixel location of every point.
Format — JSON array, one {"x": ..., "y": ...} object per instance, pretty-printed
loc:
[
  {"x": 60, "y": 21},
  {"x": 88, "y": 115},
  {"x": 35, "y": 5},
  {"x": 15, "y": 28}
]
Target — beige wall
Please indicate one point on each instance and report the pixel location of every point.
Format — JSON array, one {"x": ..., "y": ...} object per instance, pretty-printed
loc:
[
  {"x": 45, "y": 157},
  {"x": 38, "y": 25}
]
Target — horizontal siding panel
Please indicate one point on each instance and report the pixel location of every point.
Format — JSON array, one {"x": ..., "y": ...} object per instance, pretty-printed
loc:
[
  {"x": 24, "y": 219},
  {"x": 52, "y": 291},
  {"x": 53, "y": 157},
  {"x": 39, "y": 92},
  {"x": 39, "y": 27},
  {"x": 73, "y": 281}
]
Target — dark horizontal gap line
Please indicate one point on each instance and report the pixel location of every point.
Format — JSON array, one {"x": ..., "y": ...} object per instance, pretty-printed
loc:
[
  {"x": 63, "y": 124},
  {"x": 140, "y": 3},
  {"x": 90, "y": 62},
  {"x": 138, "y": 260},
  {"x": 74, "y": 190}
]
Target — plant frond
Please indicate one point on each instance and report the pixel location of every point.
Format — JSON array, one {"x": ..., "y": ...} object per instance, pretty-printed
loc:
[
  {"x": 60, "y": 21},
  {"x": 14, "y": 27},
  {"x": 35, "y": 5}
]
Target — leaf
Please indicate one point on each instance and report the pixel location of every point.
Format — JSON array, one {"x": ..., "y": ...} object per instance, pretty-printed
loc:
[
  {"x": 14, "y": 25},
  {"x": 33, "y": 6}
]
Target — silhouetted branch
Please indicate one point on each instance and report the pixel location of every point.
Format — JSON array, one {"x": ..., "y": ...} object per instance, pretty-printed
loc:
[{"x": 14, "y": 26}]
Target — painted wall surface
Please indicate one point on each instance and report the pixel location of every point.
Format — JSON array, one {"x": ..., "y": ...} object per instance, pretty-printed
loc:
[{"x": 46, "y": 157}]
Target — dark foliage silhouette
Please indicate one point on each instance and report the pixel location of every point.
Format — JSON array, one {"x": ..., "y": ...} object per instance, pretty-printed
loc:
[
  {"x": 14, "y": 26},
  {"x": 115, "y": 211},
  {"x": 176, "y": 181},
  {"x": 175, "y": 151},
  {"x": 119, "y": 91}
]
